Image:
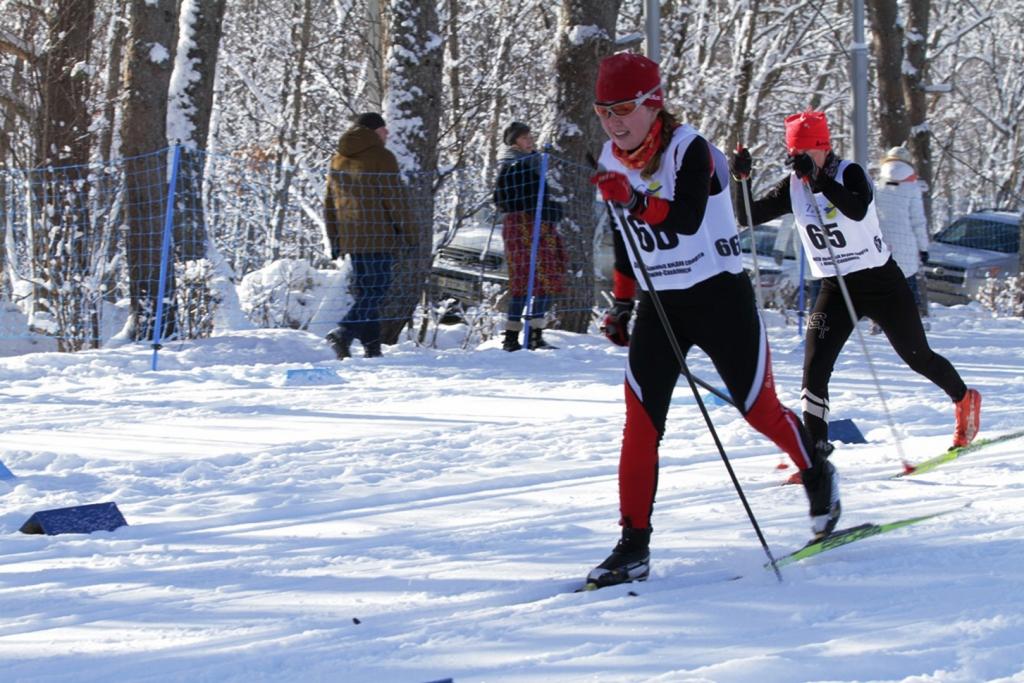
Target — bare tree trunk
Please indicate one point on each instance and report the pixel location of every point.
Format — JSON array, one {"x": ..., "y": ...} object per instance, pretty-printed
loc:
[
  {"x": 374, "y": 60},
  {"x": 284, "y": 162},
  {"x": 577, "y": 134},
  {"x": 106, "y": 212},
  {"x": 116, "y": 36},
  {"x": 148, "y": 64},
  {"x": 61, "y": 183},
  {"x": 415, "y": 65},
  {"x": 501, "y": 59},
  {"x": 739, "y": 101},
  {"x": 888, "y": 49},
  {"x": 822, "y": 84},
  {"x": 913, "y": 91}
]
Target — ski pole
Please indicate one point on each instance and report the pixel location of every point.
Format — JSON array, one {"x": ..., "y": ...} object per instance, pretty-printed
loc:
[
  {"x": 685, "y": 371},
  {"x": 745, "y": 191},
  {"x": 853, "y": 320}
]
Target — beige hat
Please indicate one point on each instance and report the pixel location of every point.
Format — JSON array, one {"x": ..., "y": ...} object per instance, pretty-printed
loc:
[{"x": 899, "y": 154}]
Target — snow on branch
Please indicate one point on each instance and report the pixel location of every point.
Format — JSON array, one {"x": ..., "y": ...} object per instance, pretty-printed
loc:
[{"x": 12, "y": 44}]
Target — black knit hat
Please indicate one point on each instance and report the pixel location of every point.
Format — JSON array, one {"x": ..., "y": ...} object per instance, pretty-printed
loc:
[
  {"x": 514, "y": 130},
  {"x": 371, "y": 120}
]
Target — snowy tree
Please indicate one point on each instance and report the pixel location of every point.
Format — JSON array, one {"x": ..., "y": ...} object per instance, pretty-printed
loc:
[
  {"x": 887, "y": 46},
  {"x": 148, "y": 67},
  {"x": 190, "y": 104},
  {"x": 415, "y": 59},
  {"x": 286, "y": 77},
  {"x": 915, "y": 72},
  {"x": 586, "y": 34}
]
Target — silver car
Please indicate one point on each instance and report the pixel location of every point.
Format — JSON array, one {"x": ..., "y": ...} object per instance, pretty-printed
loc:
[{"x": 971, "y": 249}]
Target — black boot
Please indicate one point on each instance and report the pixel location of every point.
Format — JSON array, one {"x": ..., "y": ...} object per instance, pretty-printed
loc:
[
  {"x": 372, "y": 349},
  {"x": 511, "y": 342},
  {"x": 821, "y": 482},
  {"x": 629, "y": 561},
  {"x": 340, "y": 340},
  {"x": 537, "y": 341}
]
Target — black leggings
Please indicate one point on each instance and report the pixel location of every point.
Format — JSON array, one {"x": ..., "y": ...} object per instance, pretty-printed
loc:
[
  {"x": 883, "y": 295},
  {"x": 719, "y": 316}
]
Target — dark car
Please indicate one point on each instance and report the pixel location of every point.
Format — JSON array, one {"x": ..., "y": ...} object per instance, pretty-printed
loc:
[{"x": 975, "y": 247}]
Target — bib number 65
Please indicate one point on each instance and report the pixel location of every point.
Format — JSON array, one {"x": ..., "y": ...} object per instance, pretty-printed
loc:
[{"x": 830, "y": 231}]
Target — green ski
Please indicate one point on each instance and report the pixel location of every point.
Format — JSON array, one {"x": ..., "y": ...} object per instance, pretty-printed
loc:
[
  {"x": 850, "y": 535},
  {"x": 954, "y": 453}
]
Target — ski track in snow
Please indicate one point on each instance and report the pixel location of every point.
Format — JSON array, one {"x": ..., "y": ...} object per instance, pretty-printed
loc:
[{"x": 450, "y": 501}]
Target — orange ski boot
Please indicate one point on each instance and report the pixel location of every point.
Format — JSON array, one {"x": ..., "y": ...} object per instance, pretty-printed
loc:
[{"x": 968, "y": 418}]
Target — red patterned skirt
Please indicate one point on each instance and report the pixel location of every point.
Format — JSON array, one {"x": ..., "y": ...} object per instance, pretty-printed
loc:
[{"x": 517, "y": 232}]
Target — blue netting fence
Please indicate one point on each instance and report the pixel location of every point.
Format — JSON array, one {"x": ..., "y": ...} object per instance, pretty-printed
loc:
[{"x": 180, "y": 244}]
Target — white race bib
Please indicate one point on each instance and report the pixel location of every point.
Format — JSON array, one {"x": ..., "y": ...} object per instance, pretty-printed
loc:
[
  {"x": 674, "y": 260},
  {"x": 857, "y": 245}
]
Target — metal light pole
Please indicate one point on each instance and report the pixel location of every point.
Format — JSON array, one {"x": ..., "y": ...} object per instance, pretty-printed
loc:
[
  {"x": 859, "y": 78},
  {"x": 652, "y": 25}
]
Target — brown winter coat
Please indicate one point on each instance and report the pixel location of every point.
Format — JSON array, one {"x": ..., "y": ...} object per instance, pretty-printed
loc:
[{"x": 365, "y": 208}]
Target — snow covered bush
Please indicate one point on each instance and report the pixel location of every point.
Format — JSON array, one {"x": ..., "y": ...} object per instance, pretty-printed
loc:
[
  {"x": 280, "y": 294},
  {"x": 1003, "y": 296},
  {"x": 196, "y": 301}
]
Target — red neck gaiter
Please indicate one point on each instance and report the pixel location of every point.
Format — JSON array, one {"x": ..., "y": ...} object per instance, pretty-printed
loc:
[{"x": 639, "y": 157}]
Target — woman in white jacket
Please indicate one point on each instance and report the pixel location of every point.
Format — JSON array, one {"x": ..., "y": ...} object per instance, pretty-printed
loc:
[{"x": 901, "y": 218}]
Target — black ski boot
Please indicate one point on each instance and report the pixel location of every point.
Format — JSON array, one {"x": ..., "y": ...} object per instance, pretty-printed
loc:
[
  {"x": 537, "y": 340},
  {"x": 511, "y": 342},
  {"x": 630, "y": 561},
  {"x": 821, "y": 482},
  {"x": 340, "y": 340}
]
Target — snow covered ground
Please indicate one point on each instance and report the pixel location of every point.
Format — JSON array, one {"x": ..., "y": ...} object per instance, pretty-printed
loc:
[{"x": 427, "y": 514}]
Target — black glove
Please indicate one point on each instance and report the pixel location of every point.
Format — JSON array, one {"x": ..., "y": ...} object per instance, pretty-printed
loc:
[
  {"x": 615, "y": 325},
  {"x": 924, "y": 256},
  {"x": 830, "y": 168},
  {"x": 804, "y": 167},
  {"x": 740, "y": 163}
]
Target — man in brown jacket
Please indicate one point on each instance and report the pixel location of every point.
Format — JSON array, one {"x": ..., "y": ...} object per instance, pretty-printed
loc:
[{"x": 364, "y": 219}]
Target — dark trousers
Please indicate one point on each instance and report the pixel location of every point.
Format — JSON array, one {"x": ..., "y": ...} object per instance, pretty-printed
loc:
[
  {"x": 883, "y": 295},
  {"x": 720, "y": 317},
  {"x": 517, "y": 306},
  {"x": 371, "y": 279}
]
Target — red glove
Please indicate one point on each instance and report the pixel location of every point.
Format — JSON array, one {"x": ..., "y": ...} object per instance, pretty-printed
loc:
[
  {"x": 615, "y": 325},
  {"x": 614, "y": 187}
]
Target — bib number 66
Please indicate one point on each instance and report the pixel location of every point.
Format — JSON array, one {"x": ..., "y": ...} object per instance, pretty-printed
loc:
[{"x": 648, "y": 238}]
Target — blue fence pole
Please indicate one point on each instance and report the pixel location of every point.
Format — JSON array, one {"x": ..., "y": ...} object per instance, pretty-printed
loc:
[
  {"x": 534, "y": 244},
  {"x": 165, "y": 252}
]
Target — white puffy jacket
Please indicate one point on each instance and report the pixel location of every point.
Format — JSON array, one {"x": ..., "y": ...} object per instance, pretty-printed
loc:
[{"x": 901, "y": 218}]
